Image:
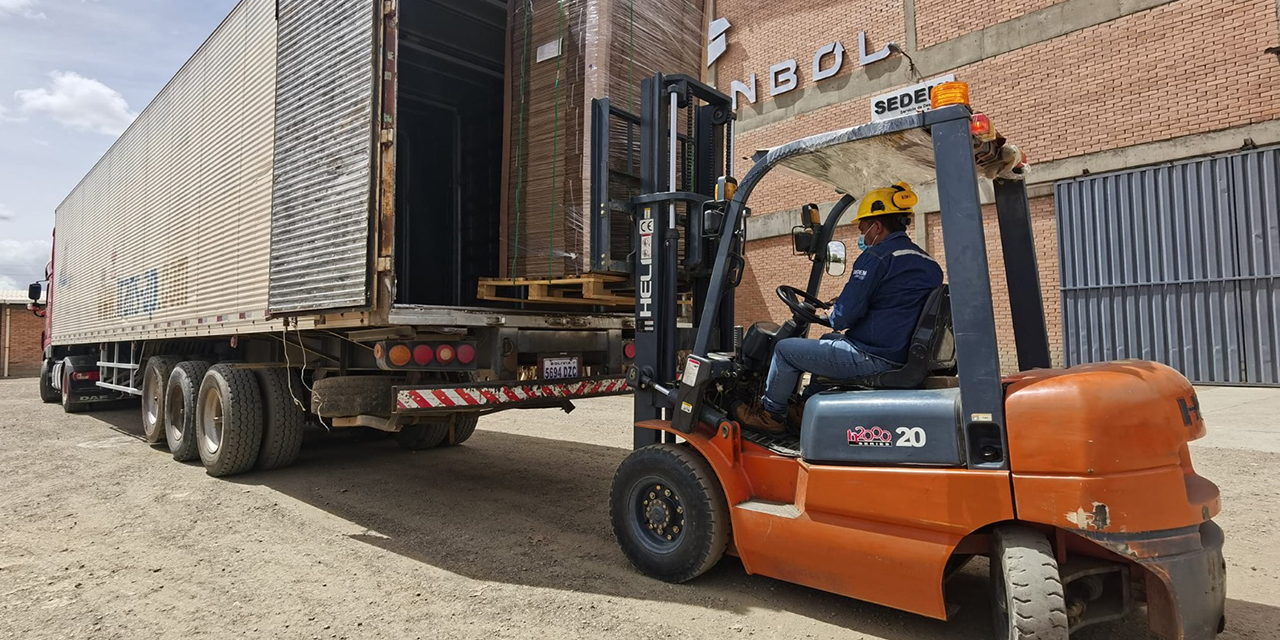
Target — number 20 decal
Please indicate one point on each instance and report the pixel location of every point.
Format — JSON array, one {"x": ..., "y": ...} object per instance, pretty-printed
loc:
[{"x": 910, "y": 437}]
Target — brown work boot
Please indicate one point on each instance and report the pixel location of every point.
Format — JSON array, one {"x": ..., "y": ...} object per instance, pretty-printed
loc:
[
  {"x": 756, "y": 417},
  {"x": 795, "y": 414}
]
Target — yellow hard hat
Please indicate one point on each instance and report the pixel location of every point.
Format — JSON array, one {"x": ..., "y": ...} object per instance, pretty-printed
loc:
[{"x": 897, "y": 199}]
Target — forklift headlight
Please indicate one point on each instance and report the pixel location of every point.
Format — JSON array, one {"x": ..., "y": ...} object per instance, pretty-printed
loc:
[{"x": 949, "y": 93}]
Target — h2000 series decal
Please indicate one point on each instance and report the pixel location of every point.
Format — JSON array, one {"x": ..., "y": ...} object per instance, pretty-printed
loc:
[{"x": 877, "y": 437}]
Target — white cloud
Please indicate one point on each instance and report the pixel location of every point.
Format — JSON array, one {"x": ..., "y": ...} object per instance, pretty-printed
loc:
[
  {"x": 20, "y": 8},
  {"x": 78, "y": 102},
  {"x": 5, "y": 214},
  {"x": 22, "y": 262}
]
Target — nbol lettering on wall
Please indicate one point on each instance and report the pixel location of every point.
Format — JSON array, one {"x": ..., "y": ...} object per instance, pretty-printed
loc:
[
  {"x": 784, "y": 76},
  {"x": 907, "y": 100}
]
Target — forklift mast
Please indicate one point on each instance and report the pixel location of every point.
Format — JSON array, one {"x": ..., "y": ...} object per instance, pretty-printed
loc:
[{"x": 685, "y": 146}]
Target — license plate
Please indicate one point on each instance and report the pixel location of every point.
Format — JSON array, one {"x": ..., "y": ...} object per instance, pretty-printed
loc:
[{"x": 560, "y": 368}]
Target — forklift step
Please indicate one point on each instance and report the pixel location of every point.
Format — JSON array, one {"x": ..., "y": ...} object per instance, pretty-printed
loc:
[
  {"x": 784, "y": 445},
  {"x": 596, "y": 290}
]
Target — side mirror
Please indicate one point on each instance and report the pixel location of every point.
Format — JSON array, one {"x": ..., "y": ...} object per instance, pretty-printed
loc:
[
  {"x": 836, "y": 258},
  {"x": 34, "y": 291}
]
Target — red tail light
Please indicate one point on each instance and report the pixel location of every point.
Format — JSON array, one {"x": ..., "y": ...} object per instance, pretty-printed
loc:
[
  {"x": 466, "y": 353},
  {"x": 445, "y": 354},
  {"x": 81, "y": 376},
  {"x": 423, "y": 355}
]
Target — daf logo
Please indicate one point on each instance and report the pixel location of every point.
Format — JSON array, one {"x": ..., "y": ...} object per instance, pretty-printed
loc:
[{"x": 717, "y": 40}]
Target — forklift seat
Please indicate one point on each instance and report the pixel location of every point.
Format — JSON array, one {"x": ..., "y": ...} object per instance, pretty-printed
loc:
[{"x": 932, "y": 351}]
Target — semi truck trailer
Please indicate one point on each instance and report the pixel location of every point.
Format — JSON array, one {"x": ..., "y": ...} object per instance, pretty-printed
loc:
[{"x": 293, "y": 231}]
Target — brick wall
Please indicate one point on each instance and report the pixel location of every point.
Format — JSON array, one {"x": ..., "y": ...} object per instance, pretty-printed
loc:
[
  {"x": 941, "y": 20},
  {"x": 770, "y": 263},
  {"x": 26, "y": 353},
  {"x": 1188, "y": 67}
]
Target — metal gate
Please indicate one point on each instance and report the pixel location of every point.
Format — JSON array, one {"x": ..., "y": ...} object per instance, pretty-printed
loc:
[{"x": 1176, "y": 264}]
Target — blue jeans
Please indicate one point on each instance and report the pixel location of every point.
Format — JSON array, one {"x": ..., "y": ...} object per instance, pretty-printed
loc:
[{"x": 832, "y": 356}]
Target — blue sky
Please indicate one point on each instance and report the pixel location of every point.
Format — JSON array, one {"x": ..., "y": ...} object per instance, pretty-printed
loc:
[{"x": 73, "y": 74}]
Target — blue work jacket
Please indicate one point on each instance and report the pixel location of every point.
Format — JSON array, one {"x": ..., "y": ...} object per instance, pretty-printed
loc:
[{"x": 880, "y": 306}]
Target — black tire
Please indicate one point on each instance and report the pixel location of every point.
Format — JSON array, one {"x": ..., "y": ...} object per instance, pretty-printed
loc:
[
  {"x": 67, "y": 405},
  {"x": 346, "y": 396},
  {"x": 282, "y": 420},
  {"x": 464, "y": 426},
  {"x": 48, "y": 394},
  {"x": 155, "y": 383},
  {"x": 422, "y": 436},
  {"x": 181, "y": 395},
  {"x": 1028, "y": 601},
  {"x": 228, "y": 420},
  {"x": 669, "y": 513}
]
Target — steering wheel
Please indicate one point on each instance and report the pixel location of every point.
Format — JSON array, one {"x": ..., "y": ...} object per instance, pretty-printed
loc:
[{"x": 804, "y": 307}]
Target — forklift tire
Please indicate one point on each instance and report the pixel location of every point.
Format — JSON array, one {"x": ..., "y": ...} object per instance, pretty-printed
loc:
[
  {"x": 48, "y": 394},
  {"x": 1028, "y": 600},
  {"x": 228, "y": 420},
  {"x": 181, "y": 395},
  {"x": 155, "y": 382},
  {"x": 669, "y": 513},
  {"x": 422, "y": 436},
  {"x": 283, "y": 419}
]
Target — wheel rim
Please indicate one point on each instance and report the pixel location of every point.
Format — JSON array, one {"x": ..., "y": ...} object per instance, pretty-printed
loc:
[
  {"x": 657, "y": 515},
  {"x": 211, "y": 421},
  {"x": 151, "y": 401},
  {"x": 175, "y": 416}
]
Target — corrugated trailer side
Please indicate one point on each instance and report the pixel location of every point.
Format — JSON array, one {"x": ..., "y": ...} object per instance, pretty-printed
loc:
[
  {"x": 168, "y": 235},
  {"x": 247, "y": 258}
]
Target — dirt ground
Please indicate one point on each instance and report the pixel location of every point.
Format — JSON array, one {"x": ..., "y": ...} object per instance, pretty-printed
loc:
[{"x": 102, "y": 536}]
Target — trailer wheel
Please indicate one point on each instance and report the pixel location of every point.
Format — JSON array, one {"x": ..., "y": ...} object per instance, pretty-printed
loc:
[
  {"x": 1028, "y": 601},
  {"x": 464, "y": 426},
  {"x": 181, "y": 394},
  {"x": 67, "y": 405},
  {"x": 282, "y": 420},
  {"x": 344, "y": 396},
  {"x": 228, "y": 420},
  {"x": 422, "y": 436},
  {"x": 48, "y": 394},
  {"x": 669, "y": 513},
  {"x": 155, "y": 379}
]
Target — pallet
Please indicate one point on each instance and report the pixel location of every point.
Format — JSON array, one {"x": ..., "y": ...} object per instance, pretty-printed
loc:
[{"x": 588, "y": 290}]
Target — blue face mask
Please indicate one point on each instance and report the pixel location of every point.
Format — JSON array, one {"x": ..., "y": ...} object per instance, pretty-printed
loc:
[{"x": 862, "y": 243}]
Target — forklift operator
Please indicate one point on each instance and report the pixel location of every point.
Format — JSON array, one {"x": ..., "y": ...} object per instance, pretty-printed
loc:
[{"x": 877, "y": 311}]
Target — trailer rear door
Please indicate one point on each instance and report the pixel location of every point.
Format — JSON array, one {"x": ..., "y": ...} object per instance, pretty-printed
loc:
[{"x": 325, "y": 147}]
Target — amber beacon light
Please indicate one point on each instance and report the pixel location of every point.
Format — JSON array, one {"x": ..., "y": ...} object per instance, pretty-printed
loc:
[{"x": 949, "y": 93}]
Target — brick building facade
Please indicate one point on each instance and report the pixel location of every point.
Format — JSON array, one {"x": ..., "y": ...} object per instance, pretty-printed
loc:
[
  {"x": 20, "y": 336},
  {"x": 1082, "y": 86}
]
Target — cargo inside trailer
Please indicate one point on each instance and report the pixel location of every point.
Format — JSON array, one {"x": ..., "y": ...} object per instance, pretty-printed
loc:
[
  {"x": 449, "y": 149},
  {"x": 491, "y": 175}
]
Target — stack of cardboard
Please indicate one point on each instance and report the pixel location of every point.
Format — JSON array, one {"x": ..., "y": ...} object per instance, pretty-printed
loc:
[{"x": 561, "y": 55}]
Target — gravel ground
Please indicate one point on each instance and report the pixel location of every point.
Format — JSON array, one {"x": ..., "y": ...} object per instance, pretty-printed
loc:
[{"x": 102, "y": 536}]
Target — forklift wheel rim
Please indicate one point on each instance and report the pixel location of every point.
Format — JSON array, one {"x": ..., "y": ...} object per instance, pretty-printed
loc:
[{"x": 657, "y": 514}]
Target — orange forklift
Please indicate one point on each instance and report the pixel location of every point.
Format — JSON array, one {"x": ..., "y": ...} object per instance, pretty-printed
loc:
[{"x": 1076, "y": 483}]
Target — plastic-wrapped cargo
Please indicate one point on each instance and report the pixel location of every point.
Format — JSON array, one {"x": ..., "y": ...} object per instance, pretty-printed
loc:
[{"x": 563, "y": 54}]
